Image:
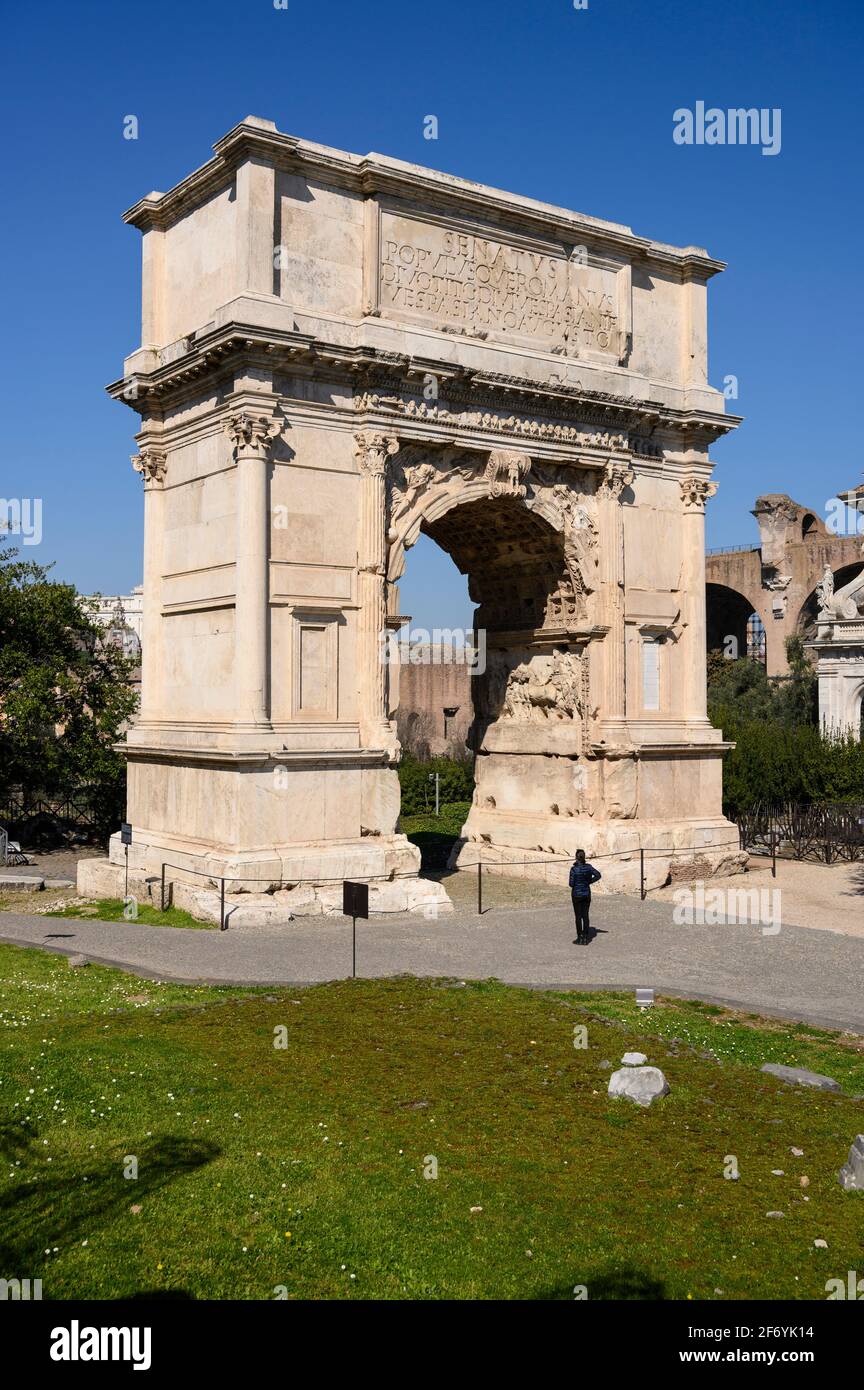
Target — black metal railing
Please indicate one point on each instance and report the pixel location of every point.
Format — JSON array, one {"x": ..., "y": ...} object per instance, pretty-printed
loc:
[
  {"x": 828, "y": 832},
  {"x": 38, "y": 818}
]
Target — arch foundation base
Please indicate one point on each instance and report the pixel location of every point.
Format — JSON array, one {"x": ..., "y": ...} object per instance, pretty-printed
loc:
[
  {"x": 526, "y": 847},
  {"x": 266, "y": 888}
]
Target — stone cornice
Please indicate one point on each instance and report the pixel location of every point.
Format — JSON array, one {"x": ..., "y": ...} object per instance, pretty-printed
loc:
[
  {"x": 286, "y": 352},
  {"x": 375, "y": 173},
  {"x": 228, "y": 757}
]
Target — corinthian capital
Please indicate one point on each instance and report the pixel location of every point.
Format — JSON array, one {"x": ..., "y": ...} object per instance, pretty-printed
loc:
[
  {"x": 616, "y": 476},
  {"x": 373, "y": 451},
  {"x": 150, "y": 463},
  {"x": 252, "y": 434},
  {"x": 695, "y": 493}
]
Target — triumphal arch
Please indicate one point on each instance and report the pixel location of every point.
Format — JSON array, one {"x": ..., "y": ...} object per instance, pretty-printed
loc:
[{"x": 339, "y": 353}]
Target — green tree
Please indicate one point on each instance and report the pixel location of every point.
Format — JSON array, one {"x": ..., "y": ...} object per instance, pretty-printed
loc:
[
  {"x": 780, "y": 752},
  {"x": 456, "y": 782},
  {"x": 64, "y": 693},
  {"x": 740, "y": 690}
]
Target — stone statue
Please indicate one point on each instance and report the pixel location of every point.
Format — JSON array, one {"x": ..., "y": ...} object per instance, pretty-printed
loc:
[
  {"x": 825, "y": 590},
  {"x": 846, "y": 603}
]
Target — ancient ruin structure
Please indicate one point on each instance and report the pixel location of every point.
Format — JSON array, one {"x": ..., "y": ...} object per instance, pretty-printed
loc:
[
  {"x": 771, "y": 588},
  {"x": 339, "y": 352},
  {"x": 838, "y": 643},
  {"x": 435, "y": 710}
]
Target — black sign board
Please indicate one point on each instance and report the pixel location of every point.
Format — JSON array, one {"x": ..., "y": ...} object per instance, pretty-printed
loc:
[
  {"x": 355, "y": 899},
  {"x": 125, "y": 833}
]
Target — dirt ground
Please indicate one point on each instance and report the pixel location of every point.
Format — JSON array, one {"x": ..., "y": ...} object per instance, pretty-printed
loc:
[
  {"x": 55, "y": 863},
  {"x": 829, "y": 897},
  {"x": 51, "y": 864}
]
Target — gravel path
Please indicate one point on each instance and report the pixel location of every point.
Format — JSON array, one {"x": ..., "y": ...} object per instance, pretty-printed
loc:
[{"x": 812, "y": 976}]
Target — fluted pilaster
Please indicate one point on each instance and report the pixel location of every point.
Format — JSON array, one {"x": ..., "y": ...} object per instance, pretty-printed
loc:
[
  {"x": 695, "y": 491},
  {"x": 616, "y": 477},
  {"x": 251, "y": 435},
  {"x": 373, "y": 451},
  {"x": 151, "y": 463}
]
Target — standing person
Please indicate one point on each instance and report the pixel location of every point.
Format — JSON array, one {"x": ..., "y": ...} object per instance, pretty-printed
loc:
[{"x": 582, "y": 875}]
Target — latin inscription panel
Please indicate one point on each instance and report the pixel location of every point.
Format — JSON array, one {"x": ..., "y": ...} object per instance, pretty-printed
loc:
[{"x": 452, "y": 278}]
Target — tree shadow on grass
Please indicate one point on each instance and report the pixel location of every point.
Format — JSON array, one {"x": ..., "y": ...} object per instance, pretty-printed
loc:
[
  {"x": 626, "y": 1284},
  {"x": 58, "y": 1207}
]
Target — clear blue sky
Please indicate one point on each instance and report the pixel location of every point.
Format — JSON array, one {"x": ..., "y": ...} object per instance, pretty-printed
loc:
[{"x": 573, "y": 107}]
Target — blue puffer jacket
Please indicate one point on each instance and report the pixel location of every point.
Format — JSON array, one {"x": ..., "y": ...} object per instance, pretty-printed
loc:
[{"x": 581, "y": 878}]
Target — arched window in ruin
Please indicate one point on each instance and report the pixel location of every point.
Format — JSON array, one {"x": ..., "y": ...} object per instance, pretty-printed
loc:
[{"x": 755, "y": 638}]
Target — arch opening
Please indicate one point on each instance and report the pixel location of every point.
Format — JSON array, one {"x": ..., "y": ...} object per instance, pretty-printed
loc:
[
  {"x": 530, "y": 682},
  {"x": 733, "y": 626},
  {"x": 515, "y": 562}
]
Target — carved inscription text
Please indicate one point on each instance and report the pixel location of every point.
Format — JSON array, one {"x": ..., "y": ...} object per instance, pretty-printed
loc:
[{"x": 490, "y": 287}]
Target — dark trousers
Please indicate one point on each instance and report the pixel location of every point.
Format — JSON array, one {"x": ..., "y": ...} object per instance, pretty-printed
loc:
[{"x": 580, "y": 910}]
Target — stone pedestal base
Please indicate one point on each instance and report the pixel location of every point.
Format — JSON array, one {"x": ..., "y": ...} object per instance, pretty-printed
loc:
[
  {"x": 264, "y": 888},
  {"x": 526, "y": 846}
]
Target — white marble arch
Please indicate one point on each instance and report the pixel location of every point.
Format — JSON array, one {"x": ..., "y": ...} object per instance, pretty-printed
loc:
[{"x": 555, "y": 425}]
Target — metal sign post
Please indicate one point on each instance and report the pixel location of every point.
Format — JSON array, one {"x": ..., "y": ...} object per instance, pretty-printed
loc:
[
  {"x": 126, "y": 840},
  {"x": 355, "y": 903}
]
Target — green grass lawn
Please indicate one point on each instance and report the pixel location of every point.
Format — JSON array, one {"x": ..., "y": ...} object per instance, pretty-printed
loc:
[
  {"x": 302, "y": 1167},
  {"x": 111, "y": 910}
]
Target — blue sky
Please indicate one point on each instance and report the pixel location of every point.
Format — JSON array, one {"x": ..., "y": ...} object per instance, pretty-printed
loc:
[{"x": 571, "y": 106}]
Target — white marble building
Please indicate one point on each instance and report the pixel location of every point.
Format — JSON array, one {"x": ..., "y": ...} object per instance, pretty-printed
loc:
[
  {"x": 122, "y": 615},
  {"x": 839, "y": 646}
]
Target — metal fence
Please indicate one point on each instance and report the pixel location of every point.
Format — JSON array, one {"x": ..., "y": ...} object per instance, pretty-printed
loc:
[
  {"x": 36, "y": 818},
  {"x": 823, "y": 832}
]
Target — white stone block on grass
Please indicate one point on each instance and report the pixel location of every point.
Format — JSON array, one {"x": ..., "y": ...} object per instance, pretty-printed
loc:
[{"x": 640, "y": 1084}]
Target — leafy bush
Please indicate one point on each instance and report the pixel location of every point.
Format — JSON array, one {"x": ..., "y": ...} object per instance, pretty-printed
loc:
[
  {"x": 744, "y": 685},
  {"x": 418, "y": 793},
  {"x": 800, "y": 764},
  {"x": 780, "y": 753}
]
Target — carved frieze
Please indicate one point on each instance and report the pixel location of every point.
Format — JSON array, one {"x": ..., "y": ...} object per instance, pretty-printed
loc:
[
  {"x": 539, "y": 688},
  {"x": 529, "y": 427}
]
